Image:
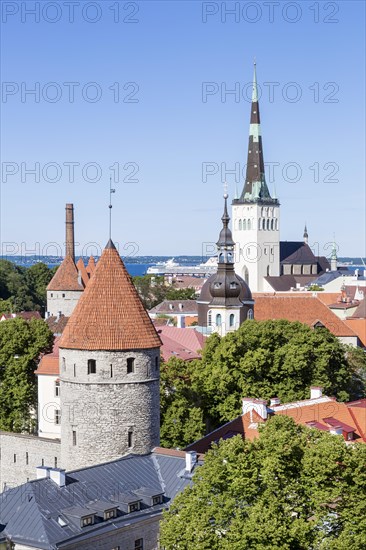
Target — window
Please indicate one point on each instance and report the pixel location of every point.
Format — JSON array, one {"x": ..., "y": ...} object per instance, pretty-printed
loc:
[
  {"x": 267, "y": 270},
  {"x": 260, "y": 224},
  {"x": 240, "y": 225},
  {"x": 57, "y": 417},
  {"x": 156, "y": 363},
  {"x": 74, "y": 369},
  {"x": 157, "y": 500},
  {"x": 350, "y": 436},
  {"x": 209, "y": 318},
  {"x": 57, "y": 388},
  {"x": 92, "y": 366},
  {"x": 263, "y": 224},
  {"x": 51, "y": 294},
  {"x": 111, "y": 371},
  {"x": 26, "y": 458},
  {"x": 268, "y": 221},
  {"x": 130, "y": 438},
  {"x": 74, "y": 437},
  {"x": 249, "y": 224},
  {"x": 130, "y": 365},
  {"x": 272, "y": 224},
  {"x": 63, "y": 363},
  {"x": 218, "y": 319},
  {"x": 232, "y": 319},
  {"x": 133, "y": 507},
  {"x": 88, "y": 520},
  {"x": 265, "y": 250},
  {"x": 15, "y": 458},
  {"x": 139, "y": 544},
  {"x": 116, "y": 548},
  {"x": 55, "y": 462},
  {"x": 244, "y": 224},
  {"x": 110, "y": 514},
  {"x": 42, "y": 463},
  {"x": 63, "y": 295},
  {"x": 250, "y": 314}
]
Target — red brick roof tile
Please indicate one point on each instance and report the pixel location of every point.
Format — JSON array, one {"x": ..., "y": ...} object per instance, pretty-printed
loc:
[
  {"x": 66, "y": 277},
  {"x": 110, "y": 314}
]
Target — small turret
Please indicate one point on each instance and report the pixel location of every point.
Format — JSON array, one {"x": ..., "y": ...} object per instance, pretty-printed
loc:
[{"x": 306, "y": 236}]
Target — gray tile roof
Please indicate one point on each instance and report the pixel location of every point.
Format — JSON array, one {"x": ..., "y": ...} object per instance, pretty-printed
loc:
[
  {"x": 296, "y": 252},
  {"x": 30, "y": 512}
]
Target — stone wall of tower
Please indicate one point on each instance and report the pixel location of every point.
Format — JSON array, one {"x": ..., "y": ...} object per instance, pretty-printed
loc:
[
  {"x": 63, "y": 301},
  {"x": 100, "y": 410},
  {"x": 256, "y": 232}
]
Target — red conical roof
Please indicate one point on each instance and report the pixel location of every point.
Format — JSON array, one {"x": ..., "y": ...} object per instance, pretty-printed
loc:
[
  {"x": 66, "y": 277},
  {"x": 110, "y": 314}
]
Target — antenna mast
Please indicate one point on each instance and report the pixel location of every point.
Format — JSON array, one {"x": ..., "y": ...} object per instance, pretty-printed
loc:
[{"x": 110, "y": 206}]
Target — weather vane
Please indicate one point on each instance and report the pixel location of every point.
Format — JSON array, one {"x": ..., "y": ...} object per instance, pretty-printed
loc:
[{"x": 110, "y": 206}]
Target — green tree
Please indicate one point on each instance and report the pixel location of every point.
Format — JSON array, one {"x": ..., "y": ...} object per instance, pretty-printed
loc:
[
  {"x": 293, "y": 488},
  {"x": 261, "y": 359},
  {"x": 21, "y": 344},
  {"x": 180, "y": 294}
]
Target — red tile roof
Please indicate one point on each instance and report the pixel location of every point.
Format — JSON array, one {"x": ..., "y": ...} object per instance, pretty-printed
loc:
[
  {"x": 83, "y": 272},
  {"x": 110, "y": 314},
  {"x": 182, "y": 343},
  {"x": 308, "y": 310},
  {"x": 66, "y": 277},
  {"x": 323, "y": 413},
  {"x": 91, "y": 265},
  {"x": 49, "y": 363}
]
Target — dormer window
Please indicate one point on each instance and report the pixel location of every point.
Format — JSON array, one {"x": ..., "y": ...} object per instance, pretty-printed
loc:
[
  {"x": 217, "y": 285},
  {"x": 157, "y": 500},
  {"x": 130, "y": 365},
  {"x": 110, "y": 514},
  {"x": 133, "y": 507},
  {"x": 88, "y": 520},
  {"x": 233, "y": 285},
  {"x": 92, "y": 366}
]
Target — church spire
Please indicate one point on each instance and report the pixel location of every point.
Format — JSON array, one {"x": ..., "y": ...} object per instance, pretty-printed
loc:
[
  {"x": 306, "y": 236},
  {"x": 255, "y": 187},
  {"x": 225, "y": 244}
]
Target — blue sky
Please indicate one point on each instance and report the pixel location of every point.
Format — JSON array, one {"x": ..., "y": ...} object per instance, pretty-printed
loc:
[{"x": 168, "y": 127}]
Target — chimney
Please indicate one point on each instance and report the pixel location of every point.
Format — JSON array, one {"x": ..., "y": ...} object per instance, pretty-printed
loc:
[
  {"x": 43, "y": 472},
  {"x": 58, "y": 476},
  {"x": 70, "y": 240},
  {"x": 315, "y": 392},
  {"x": 58, "y": 316},
  {"x": 191, "y": 460},
  {"x": 257, "y": 405},
  {"x": 275, "y": 401}
]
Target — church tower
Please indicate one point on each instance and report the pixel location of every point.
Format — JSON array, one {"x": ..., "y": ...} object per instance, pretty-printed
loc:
[
  {"x": 109, "y": 371},
  {"x": 256, "y": 215},
  {"x": 225, "y": 300}
]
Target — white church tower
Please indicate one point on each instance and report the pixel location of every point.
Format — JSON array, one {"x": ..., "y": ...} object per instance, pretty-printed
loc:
[{"x": 255, "y": 214}]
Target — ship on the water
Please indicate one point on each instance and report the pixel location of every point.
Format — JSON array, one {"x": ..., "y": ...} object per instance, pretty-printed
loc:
[{"x": 171, "y": 267}]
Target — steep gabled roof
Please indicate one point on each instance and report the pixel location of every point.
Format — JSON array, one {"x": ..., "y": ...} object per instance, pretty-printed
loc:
[
  {"x": 83, "y": 272},
  {"x": 296, "y": 252},
  {"x": 110, "y": 314},
  {"x": 66, "y": 277},
  {"x": 307, "y": 310},
  {"x": 91, "y": 265}
]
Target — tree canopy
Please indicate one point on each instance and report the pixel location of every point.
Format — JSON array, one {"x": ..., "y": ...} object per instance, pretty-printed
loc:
[
  {"x": 21, "y": 343},
  {"x": 153, "y": 290},
  {"x": 261, "y": 359},
  {"x": 293, "y": 488},
  {"x": 23, "y": 289}
]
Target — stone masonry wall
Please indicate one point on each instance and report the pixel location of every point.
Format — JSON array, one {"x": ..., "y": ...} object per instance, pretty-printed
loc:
[
  {"x": 21, "y": 454},
  {"x": 62, "y": 300},
  {"x": 99, "y": 410}
]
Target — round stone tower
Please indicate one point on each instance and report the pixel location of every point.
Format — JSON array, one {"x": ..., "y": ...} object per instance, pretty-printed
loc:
[{"x": 109, "y": 371}]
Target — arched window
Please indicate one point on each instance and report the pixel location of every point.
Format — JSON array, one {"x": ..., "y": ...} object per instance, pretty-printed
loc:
[
  {"x": 249, "y": 224},
  {"x": 156, "y": 363},
  {"x": 244, "y": 224},
  {"x": 272, "y": 224},
  {"x": 268, "y": 224},
  {"x": 130, "y": 438},
  {"x": 209, "y": 318},
  {"x": 232, "y": 319},
  {"x": 260, "y": 224},
  {"x": 240, "y": 225},
  {"x": 267, "y": 270},
  {"x": 218, "y": 320},
  {"x": 276, "y": 224},
  {"x": 250, "y": 314},
  {"x": 130, "y": 365},
  {"x": 264, "y": 224}
]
